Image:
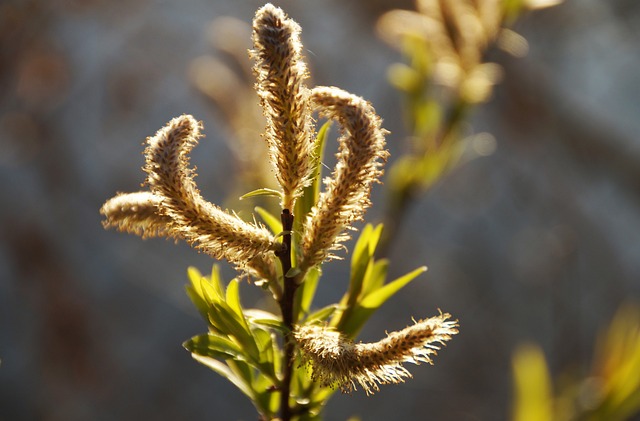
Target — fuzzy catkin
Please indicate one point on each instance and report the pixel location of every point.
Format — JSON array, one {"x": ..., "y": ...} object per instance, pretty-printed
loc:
[
  {"x": 360, "y": 157},
  {"x": 202, "y": 224},
  {"x": 338, "y": 361},
  {"x": 281, "y": 71},
  {"x": 136, "y": 213}
]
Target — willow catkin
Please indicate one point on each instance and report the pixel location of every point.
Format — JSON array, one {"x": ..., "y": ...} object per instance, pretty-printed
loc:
[
  {"x": 202, "y": 224},
  {"x": 360, "y": 157},
  {"x": 281, "y": 71},
  {"x": 338, "y": 361}
]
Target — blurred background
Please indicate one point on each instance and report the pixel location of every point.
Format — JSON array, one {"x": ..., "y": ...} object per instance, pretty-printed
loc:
[{"x": 536, "y": 242}]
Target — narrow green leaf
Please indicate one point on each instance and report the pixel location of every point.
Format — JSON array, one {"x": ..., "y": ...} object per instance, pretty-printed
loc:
[
  {"x": 351, "y": 323},
  {"x": 257, "y": 313},
  {"x": 380, "y": 296},
  {"x": 267, "y": 396},
  {"x": 208, "y": 289},
  {"x": 228, "y": 322},
  {"x": 223, "y": 370},
  {"x": 363, "y": 260},
  {"x": 233, "y": 298},
  {"x": 194, "y": 276},
  {"x": 202, "y": 287},
  {"x": 214, "y": 346},
  {"x": 262, "y": 192},
  {"x": 361, "y": 255},
  {"x": 271, "y": 323},
  {"x": 198, "y": 302},
  {"x": 245, "y": 372},
  {"x": 274, "y": 224},
  {"x": 362, "y": 264},
  {"x": 306, "y": 292},
  {"x": 322, "y": 314},
  {"x": 266, "y": 356},
  {"x": 265, "y": 347},
  {"x": 375, "y": 278},
  {"x": 209, "y": 293}
]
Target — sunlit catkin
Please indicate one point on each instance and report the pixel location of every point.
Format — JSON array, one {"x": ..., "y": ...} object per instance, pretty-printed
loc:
[
  {"x": 337, "y": 361},
  {"x": 202, "y": 224},
  {"x": 360, "y": 156},
  {"x": 281, "y": 72},
  {"x": 136, "y": 213}
]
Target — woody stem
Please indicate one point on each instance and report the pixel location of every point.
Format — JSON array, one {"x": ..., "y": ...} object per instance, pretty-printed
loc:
[{"x": 286, "y": 307}]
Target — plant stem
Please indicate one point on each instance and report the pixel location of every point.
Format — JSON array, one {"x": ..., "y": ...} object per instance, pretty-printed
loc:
[{"x": 286, "y": 307}]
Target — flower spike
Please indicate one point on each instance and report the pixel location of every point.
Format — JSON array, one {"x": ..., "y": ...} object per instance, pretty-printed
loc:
[
  {"x": 360, "y": 157},
  {"x": 338, "y": 361},
  {"x": 281, "y": 72},
  {"x": 202, "y": 224}
]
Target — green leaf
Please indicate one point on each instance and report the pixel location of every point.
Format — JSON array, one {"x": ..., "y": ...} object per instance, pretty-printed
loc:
[
  {"x": 306, "y": 292},
  {"x": 361, "y": 255},
  {"x": 265, "y": 347},
  {"x": 229, "y": 323},
  {"x": 223, "y": 370},
  {"x": 262, "y": 192},
  {"x": 362, "y": 264},
  {"x": 271, "y": 323},
  {"x": 267, "y": 396},
  {"x": 201, "y": 305},
  {"x": 351, "y": 324},
  {"x": 362, "y": 259},
  {"x": 375, "y": 277},
  {"x": 266, "y": 355},
  {"x": 379, "y": 297},
  {"x": 322, "y": 314},
  {"x": 204, "y": 293},
  {"x": 274, "y": 224},
  {"x": 214, "y": 346},
  {"x": 233, "y": 298}
]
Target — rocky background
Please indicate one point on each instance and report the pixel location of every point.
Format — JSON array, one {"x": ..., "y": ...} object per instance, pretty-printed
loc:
[{"x": 539, "y": 241}]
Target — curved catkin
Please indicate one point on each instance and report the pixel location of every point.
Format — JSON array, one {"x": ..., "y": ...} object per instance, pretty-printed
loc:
[
  {"x": 204, "y": 225},
  {"x": 281, "y": 71},
  {"x": 136, "y": 213},
  {"x": 338, "y": 361},
  {"x": 360, "y": 157}
]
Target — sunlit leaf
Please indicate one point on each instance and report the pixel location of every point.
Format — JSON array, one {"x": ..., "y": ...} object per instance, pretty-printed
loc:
[
  {"x": 228, "y": 322},
  {"x": 375, "y": 277},
  {"x": 198, "y": 301},
  {"x": 271, "y": 323},
  {"x": 381, "y": 295},
  {"x": 306, "y": 292},
  {"x": 262, "y": 192},
  {"x": 351, "y": 323},
  {"x": 264, "y": 342},
  {"x": 233, "y": 298},
  {"x": 274, "y": 223},
  {"x": 214, "y": 346},
  {"x": 322, "y": 314},
  {"x": 223, "y": 370}
]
